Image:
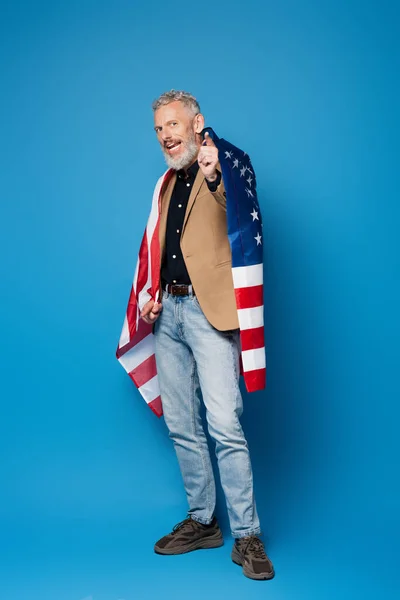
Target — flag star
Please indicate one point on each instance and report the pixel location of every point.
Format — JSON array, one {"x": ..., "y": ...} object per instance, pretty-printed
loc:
[
  {"x": 258, "y": 239},
  {"x": 254, "y": 214},
  {"x": 235, "y": 163},
  {"x": 243, "y": 171},
  {"x": 249, "y": 192},
  {"x": 228, "y": 154},
  {"x": 249, "y": 180}
]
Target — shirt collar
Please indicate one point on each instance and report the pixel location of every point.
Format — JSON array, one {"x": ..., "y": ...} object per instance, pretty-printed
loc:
[{"x": 192, "y": 171}]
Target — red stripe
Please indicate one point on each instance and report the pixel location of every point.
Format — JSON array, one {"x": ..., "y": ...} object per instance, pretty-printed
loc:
[
  {"x": 255, "y": 380},
  {"x": 249, "y": 297},
  {"x": 143, "y": 265},
  {"x": 252, "y": 338},
  {"x": 132, "y": 308},
  {"x": 164, "y": 185},
  {"x": 156, "y": 406},
  {"x": 144, "y": 372},
  {"x": 155, "y": 260},
  {"x": 144, "y": 329},
  {"x": 131, "y": 312}
]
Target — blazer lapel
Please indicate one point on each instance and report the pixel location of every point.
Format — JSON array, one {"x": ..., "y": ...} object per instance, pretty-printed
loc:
[
  {"x": 193, "y": 194},
  {"x": 165, "y": 201}
]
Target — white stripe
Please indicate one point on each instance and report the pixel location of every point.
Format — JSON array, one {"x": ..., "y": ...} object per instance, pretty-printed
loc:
[
  {"x": 135, "y": 277},
  {"x": 247, "y": 276},
  {"x": 253, "y": 359},
  {"x": 138, "y": 354},
  {"x": 152, "y": 222},
  {"x": 144, "y": 297},
  {"x": 150, "y": 390},
  {"x": 124, "y": 339},
  {"x": 249, "y": 318}
]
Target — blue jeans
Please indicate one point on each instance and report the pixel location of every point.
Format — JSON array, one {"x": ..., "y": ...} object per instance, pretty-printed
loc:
[{"x": 196, "y": 360}]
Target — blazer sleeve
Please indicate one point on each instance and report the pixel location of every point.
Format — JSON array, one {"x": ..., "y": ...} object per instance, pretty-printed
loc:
[{"x": 219, "y": 193}]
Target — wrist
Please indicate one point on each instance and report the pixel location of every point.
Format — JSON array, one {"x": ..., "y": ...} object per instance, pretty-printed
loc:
[
  {"x": 212, "y": 178},
  {"x": 214, "y": 183}
]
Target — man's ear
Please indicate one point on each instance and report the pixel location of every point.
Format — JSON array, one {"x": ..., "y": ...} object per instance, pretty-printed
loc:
[{"x": 198, "y": 123}]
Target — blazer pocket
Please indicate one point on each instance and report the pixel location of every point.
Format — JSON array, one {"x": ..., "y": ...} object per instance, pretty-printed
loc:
[{"x": 224, "y": 263}]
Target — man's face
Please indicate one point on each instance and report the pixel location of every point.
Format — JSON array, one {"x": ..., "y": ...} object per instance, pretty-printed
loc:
[{"x": 176, "y": 130}]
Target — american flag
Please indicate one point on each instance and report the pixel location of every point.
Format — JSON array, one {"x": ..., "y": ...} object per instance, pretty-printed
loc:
[{"x": 136, "y": 348}]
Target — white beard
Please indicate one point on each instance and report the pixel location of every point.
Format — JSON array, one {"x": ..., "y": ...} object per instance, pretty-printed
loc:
[{"x": 184, "y": 160}]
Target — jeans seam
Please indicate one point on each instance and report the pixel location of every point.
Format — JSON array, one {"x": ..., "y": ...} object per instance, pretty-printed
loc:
[
  {"x": 239, "y": 409},
  {"x": 251, "y": 477},
  {"x": 208, "y": 478}
]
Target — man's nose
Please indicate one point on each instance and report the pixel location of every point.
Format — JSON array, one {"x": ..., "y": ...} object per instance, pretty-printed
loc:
[{"x": 165, "y": 135}]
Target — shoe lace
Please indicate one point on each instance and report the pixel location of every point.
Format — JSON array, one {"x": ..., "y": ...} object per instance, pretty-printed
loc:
[
  {"x": 255, "y": 546},
  {"x": 186, "y": 524}
]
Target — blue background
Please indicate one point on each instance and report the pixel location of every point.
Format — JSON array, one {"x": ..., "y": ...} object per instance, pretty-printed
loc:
[{"x": 89, "y": 479}]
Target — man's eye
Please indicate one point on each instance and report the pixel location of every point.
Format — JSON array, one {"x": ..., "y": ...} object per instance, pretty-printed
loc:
[{"x": 174, "y": 123}]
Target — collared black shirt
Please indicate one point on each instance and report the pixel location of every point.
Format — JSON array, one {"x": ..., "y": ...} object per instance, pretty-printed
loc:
[{"x": 173, "y": 269}]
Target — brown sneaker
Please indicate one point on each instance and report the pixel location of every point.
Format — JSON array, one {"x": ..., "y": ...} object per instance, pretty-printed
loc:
[
  {"x": 190, "y": 535},
  {"x": 249, "y": 553}
]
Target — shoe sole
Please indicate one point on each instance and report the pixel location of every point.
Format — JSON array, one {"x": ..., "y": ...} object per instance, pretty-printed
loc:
[
  {"x": 237, "y": 559},
  {"x": 212, "y": 541}
]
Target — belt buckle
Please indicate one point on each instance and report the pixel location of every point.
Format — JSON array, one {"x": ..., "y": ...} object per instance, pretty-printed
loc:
[{"x": 179, "y": 290}]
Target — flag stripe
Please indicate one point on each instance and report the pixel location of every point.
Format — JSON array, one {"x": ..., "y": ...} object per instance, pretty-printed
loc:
[
  {"x": 150, "y": 390},
  {"x": 124, "y": 339},
  {"x": 252, "y": 338},
  {"x": 156, "y": 406},
  {"x": 249, "y": 297},
  {"x": 143, "y": 330},
  {"x": 255, "y": 380},
  {"x": 143, "y": 275},
  {"x": 253, "y": 359},
  {"x": 149, "y": 259},
  {"x": 145, "y": 371},
  {"x": 250, "y": 318},
  {"x": 138, "y": 354},
  {"x": 247, "y": 276}
]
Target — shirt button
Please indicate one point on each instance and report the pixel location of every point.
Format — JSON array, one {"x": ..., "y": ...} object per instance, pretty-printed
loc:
[
  {"x": 174, "y": 256},
  {"x": 177, "y": 231},
  {"x": 179, "y": 205},
  {"x": 174, "y": 281},
  {"x": 188, "y": 185}
]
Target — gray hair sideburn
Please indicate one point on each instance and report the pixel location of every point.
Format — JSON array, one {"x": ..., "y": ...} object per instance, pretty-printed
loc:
[{"x": 187, "y": 99}]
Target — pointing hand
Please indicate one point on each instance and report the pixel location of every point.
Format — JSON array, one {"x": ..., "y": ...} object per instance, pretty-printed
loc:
[{"x": 208, "y": 158}]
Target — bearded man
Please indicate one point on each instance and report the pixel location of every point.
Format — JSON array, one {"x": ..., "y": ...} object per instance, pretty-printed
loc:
[{"x": 197, "y": 343}]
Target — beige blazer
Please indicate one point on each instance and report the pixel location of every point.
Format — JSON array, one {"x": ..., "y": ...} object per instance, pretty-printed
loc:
[{"x": 206, "y": 250}]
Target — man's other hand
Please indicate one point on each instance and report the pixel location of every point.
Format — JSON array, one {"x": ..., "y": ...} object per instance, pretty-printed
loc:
[{"x": 151, "y": 311}]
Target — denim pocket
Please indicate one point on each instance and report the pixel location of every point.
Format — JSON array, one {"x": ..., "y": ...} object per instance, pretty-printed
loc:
[{"x": 196, "y": 303}]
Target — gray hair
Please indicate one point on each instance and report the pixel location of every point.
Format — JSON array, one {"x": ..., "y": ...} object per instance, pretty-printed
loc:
[{"x": 174, "y": 95}]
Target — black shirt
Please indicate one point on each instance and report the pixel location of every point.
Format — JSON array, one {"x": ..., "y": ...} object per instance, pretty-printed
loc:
[{"x": 173, "y": 269}]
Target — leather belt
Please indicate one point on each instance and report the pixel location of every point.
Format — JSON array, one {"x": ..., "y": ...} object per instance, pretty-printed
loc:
[{"x": 178, "y": 289}]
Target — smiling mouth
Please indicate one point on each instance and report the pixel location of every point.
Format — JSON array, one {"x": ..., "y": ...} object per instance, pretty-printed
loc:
[{"x": 172, "y": 147}]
